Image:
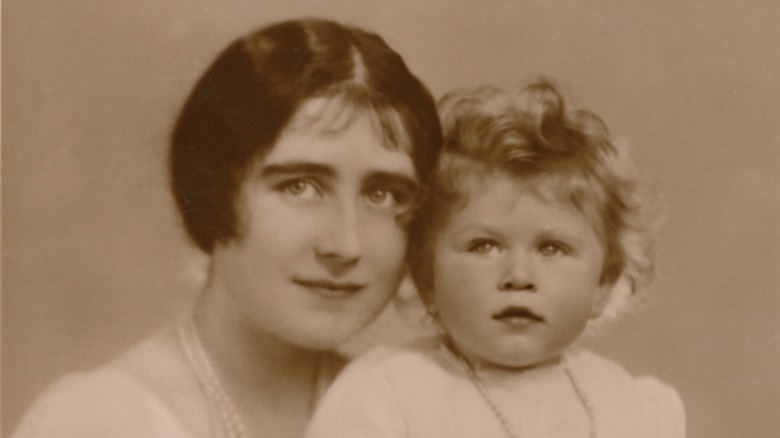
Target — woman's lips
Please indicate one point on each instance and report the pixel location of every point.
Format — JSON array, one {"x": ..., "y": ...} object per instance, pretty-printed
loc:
[
  {"x": 330, "y": 289},
  {"x": 516, "y": 315}
]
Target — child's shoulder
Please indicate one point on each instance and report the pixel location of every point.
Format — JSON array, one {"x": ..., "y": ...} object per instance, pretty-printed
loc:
[
  {"x": 607, "y": 380},
  {"x": 597, "y": 367}
]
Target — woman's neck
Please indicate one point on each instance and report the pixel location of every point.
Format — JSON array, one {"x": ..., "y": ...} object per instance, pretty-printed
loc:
[
  {"x": 272, "y": 383},
  {"x": 245, "y": 356}
]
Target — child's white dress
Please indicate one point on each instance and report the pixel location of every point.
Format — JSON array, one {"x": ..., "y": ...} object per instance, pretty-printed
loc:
[{"x": 425, "y": 392}]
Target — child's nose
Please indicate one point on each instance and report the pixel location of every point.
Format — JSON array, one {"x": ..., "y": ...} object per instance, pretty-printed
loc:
[{"x": 517, "y": 274}]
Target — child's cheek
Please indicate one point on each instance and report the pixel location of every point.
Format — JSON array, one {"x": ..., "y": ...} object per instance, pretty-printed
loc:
[{"x": 459, "y": 278}]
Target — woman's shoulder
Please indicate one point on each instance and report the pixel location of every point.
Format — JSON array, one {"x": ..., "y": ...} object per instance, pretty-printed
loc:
[
  {"x": 105, "y": 402},
  {"x": 158, "y": 364},
  {"x": 114, "y": 400},
  {"x": 100, "y": 384}
]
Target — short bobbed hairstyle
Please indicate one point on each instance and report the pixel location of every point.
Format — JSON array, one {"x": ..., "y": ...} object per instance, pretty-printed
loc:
[
  {"x": 248, "y": 96},
  {"x": 531, "y": 137}
]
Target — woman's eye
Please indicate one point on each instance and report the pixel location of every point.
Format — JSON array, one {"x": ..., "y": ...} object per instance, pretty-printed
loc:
[
  {"x": 300, "y": 188},
  {"x": 482, "y": 247},
  {"x": 550, "y": 249},
  {"x": 385, "y": 199},
  {"x": 379, "y": 196}
]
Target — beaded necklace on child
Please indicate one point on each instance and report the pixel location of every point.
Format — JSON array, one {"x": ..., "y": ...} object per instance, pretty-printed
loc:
[{"x": 499, "y": 414}]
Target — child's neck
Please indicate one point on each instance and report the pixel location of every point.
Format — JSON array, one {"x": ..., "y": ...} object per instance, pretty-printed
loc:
[{"x": 481, "y": 365}]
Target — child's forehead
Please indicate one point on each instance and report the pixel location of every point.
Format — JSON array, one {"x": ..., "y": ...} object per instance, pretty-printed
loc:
[
  {"x": 550, "y": 188},
  {"x": 547, "y": 188}
]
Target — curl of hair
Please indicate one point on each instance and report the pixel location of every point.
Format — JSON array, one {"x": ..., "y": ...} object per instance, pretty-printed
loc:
[
  {"x": 531, "y": 136},
  {"x": 250, "y": 93}
]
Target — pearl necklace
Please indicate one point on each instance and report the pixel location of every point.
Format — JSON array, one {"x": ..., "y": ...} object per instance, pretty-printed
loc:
[
  {"x": 230, "y": 422},
  {"x": 584, "y": 400},
  {"x": 578, "y": 389}
]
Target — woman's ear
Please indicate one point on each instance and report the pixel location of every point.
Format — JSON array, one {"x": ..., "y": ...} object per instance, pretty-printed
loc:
[
  {"x": 429, "y": 300},
  {"x": 416, "y": 307},
  {"x": 406, "y": 289}
]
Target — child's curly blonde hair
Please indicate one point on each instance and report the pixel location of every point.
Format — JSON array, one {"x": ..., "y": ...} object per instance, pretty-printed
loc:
[{"x": 531, "y": 136}]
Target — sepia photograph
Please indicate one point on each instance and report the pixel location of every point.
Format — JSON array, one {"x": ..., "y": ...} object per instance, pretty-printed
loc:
[{"x": 398, "y": 219}]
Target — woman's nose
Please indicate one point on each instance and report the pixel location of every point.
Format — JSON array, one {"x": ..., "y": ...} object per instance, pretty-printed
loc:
[
  {"x": 338, "y": 245},
  {"x": 517, "y": 274}
]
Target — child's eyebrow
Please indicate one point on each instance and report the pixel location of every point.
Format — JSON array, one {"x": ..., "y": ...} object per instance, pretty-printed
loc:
[
  {"x": 477, "y": 227},
  {"x": 297, "y": 168}
]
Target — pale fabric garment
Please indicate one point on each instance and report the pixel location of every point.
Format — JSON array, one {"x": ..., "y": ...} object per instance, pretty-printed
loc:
[
  {"x": 103, "y": 403},
  {"x": 108, "y": 402},
  {"x": 424, "y": 391}
]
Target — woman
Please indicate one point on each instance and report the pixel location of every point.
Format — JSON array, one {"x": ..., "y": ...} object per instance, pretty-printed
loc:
[{"x": 295, "y": 164}]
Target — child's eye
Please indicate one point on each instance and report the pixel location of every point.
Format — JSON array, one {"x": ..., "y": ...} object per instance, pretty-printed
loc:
[
  {"x": 550, "y": 249},
  {"x": 300, "y": 188},
  {"x": 482, "y": 247}
]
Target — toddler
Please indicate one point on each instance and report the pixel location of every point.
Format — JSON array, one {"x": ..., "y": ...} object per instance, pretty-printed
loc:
[{"x": 533, "y": 232}]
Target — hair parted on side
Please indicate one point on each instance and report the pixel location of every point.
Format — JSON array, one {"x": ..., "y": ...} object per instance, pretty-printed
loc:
[
  {"x": 250, "y": 94},
  {"x": 530, "y": 135}
]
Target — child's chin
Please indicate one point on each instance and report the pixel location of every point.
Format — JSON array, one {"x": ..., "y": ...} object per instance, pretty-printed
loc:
[{"x": 522, "y": 362}]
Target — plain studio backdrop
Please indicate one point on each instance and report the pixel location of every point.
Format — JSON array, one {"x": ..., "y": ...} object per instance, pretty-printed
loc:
[{"x": 93, "y": 257}]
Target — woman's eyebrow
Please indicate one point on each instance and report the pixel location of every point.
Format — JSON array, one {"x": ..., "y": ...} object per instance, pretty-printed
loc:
[
  {"x": 398, "y": 180},
  {"x": 297, "y": 168}
]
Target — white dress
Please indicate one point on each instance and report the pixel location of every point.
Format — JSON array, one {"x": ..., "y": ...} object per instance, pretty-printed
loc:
[
  {"x": 103, "y": 403},
  {"x": 424, "y": 392}
]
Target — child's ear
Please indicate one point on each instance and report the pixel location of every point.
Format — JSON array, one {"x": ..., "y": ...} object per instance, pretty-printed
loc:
[{"x": 600, "y": 298}]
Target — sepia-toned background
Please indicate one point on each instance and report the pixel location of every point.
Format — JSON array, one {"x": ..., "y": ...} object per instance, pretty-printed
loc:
[{"x": 93, "y": 257}]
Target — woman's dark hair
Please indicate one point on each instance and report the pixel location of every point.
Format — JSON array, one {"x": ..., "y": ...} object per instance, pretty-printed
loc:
[{"x": 247, "y": 97}]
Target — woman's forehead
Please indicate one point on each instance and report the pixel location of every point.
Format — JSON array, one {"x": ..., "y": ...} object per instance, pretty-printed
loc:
[
  {"x": 324, "y": 114},
  {"x": 356, "y": 153},
  {"x": 331, "y": 115}
]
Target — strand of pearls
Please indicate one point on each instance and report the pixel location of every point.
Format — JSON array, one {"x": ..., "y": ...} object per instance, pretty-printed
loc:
[
  {"x": 578, "y": 389},
  {"x": 483, "y": 392},
  {"x": 575, "y": 383},
  {"x": 230, "y": 421}
]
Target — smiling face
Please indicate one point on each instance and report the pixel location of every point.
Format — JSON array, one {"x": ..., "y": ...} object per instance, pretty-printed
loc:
[
  {"x": 516, "y": 273},
  {"x": 321, "y": 248}
]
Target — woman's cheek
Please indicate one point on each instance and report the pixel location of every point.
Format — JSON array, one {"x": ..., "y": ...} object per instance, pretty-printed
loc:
[{"x": 387, "y": 242}]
